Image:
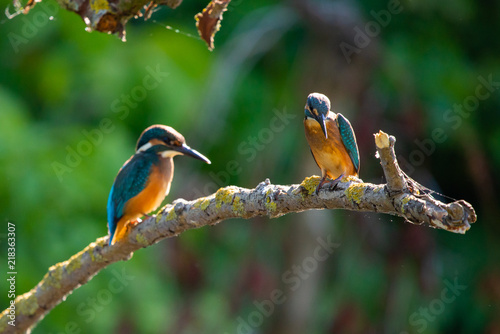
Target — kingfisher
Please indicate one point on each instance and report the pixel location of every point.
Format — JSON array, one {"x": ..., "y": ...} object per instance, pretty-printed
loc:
[
  {"x": 331, "y": 140},
  {"x": 144, "y": 180}
]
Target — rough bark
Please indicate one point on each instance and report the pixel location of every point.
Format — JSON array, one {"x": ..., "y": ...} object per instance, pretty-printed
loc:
[{"x": 399, "y": 197}]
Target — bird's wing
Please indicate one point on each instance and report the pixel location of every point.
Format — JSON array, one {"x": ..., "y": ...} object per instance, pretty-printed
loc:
[
  {"x": 349, "y": 139},
  {"x": 129, "y": 182}
]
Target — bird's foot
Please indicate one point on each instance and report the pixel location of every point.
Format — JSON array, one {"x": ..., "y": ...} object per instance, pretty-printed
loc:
[
  {"x": 332, "y": 184},
  {"x": 135, "y": 222},
  {"x": 320, "y": 184}
]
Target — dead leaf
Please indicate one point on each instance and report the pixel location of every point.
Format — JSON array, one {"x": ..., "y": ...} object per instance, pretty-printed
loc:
[{"x": 208, "y": 21}]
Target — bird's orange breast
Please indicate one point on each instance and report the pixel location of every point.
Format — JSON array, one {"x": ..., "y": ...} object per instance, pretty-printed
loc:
[
  {"x": 150, "y": 198},
  {"x": 330, "y": 153}
]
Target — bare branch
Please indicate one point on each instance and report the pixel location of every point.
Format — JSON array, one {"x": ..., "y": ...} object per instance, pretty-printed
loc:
[
  {"x": 397, "y": 197},
  {"x": 385, "y": 150},
  {"x": 111, "y": 16}
]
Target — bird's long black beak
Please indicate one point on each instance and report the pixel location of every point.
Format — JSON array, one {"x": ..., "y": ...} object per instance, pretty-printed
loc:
[
  {"x": 186, "y": 150},
  {"x": 321, "y": 121}
]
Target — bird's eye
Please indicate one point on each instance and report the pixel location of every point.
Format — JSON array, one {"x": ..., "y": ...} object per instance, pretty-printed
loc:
[{"x": 170, "y": 141}]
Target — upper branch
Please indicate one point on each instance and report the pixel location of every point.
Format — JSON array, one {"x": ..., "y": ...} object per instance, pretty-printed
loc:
[
  {"x": 397, "y": 197},
  {"x": 111, "y": 16}
]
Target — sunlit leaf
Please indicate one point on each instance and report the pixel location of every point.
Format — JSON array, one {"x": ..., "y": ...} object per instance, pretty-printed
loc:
[{"x": 208, "y": 21}]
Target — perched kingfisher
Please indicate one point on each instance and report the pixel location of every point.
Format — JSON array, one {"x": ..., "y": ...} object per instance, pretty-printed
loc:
[
  {"x": 144, "y": 180},
  {"x": 331, "y": 139}
]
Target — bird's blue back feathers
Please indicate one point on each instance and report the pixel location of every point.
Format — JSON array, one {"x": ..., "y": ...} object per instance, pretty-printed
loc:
[
  {"x": 129, "y": 182},
  {"x": 111, "y": 215}
]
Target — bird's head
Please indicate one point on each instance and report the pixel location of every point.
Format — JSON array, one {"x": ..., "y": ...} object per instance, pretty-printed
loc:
[
  {"x": 317, "y": 108},
  {"x": 167, "y": 143}
]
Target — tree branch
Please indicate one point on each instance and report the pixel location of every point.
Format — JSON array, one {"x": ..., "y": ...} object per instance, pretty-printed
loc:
[
  {"x": 400, "y": 197},
  {"x": 111, "y": 16}
]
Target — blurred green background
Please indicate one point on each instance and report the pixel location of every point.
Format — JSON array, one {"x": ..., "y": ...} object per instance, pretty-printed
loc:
[{"x": 73, "y": 103}]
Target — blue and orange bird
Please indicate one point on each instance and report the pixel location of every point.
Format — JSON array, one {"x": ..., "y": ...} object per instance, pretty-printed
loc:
[
  {"x": 144, "y": 180},
  {"x": 331, "y": 139}
]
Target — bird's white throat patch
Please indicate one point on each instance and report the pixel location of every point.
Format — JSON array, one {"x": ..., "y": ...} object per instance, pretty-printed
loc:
[
  {"x": 170, "y": 154},
  {"x": 144, "y": 147},
  {"x": 164, "y": 154}
]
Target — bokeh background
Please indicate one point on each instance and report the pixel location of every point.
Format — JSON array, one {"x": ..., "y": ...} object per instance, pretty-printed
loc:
[{"x": 73, "y": 103}]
